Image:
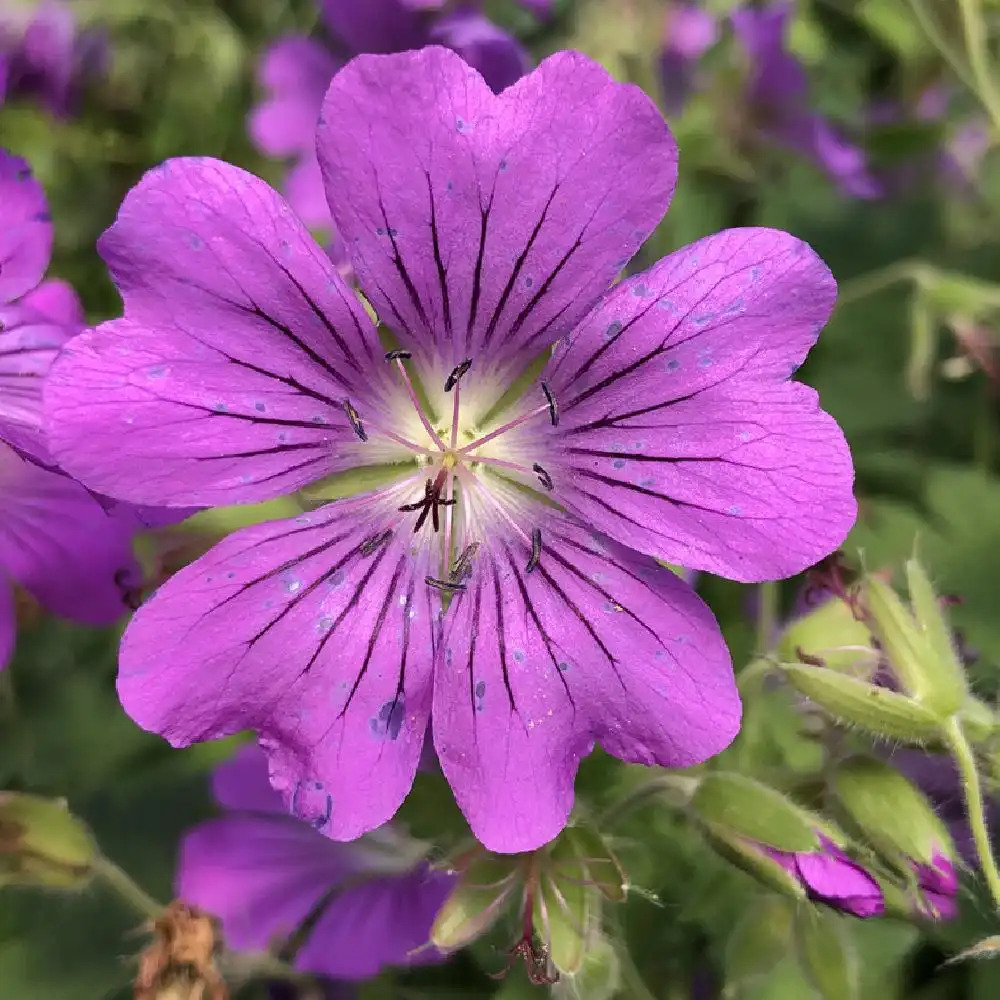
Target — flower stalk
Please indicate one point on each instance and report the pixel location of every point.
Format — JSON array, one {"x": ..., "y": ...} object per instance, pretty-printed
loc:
[{"x": 964, "y": 758}]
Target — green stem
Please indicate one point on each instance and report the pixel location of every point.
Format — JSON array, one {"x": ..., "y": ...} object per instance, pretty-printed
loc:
[
  {"x": 976, "y": 43},
  {"x": 965, "y": 760},
  {"x": 767, "y": 615},
  {"x": 950, "y": 55},
  {"x": 753, "y": 672},
  {"x": 126, "y": 888},
  {"x": 884, "y": 277}
]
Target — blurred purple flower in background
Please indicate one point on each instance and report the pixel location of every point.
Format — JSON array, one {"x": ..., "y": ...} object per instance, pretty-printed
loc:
[
  {"x": 689, "y": 32},
  {"x": 45, "y": 58},
  {"x": 366, "y": 905},
  {"x": 57, "y": 540},
  {"x": 776, "y": 98},
  {"x": 296, "y": 71},
  {"x": 483, "y": 229},
  {"x": 829, "y": 876}
]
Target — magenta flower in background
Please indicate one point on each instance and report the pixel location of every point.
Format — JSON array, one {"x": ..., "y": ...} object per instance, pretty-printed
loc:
[
  {"x": 264, "y": 873},
  {"x": 777, "y": 90},
  {"x": 689, "y": 32},
  {"x": 830, "y": 877},
  {"x": 483, "y": 229},
  {"x": 45, "y": 57},
  {"x": 295, "y": 72},
  {"x": 56, "y": 538}
]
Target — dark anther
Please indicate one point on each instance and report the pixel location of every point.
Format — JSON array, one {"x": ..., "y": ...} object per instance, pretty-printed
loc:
[
  {"x": 430, "y": 503},
  {"x": 536, "y": 549},
  {"x": 448, "y": 586},
  {"x": 355, "y": 419},
  {"x": 369, "y": 545},
  {"x": 456, "y": 373},
  {"x": 463, "y": 564},
  {"x": 543, "y": 477},
  {"x": 553, "y": 406},
  {"x": 398, "y": 355}
]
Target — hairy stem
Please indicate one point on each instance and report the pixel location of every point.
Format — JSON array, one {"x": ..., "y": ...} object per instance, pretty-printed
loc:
[
  {"x": 977, "y": 47},
  {"x": 965, "y": 760},
  {"x": 126, "y": 888}
]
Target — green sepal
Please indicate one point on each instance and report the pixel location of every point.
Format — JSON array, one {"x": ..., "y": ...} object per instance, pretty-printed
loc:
[
  {"x": 751, "y": 810},
  {"x": 875, "y": 709}
]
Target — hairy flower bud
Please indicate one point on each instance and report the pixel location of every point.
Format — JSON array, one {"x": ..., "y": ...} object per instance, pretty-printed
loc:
[
  {"x": 559, "y": 890},
  {"x": 783, "y": 845},
  {"x": 900, "y": 823},
  {"x": 874, "y": 708},
  {"x": 829, "y": 632},
  {"x": 917, "y": 641},
  {"x": 43, "y": 843}
]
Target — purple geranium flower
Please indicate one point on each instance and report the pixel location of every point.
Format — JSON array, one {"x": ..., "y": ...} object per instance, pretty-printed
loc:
[
  {"x": 829, "y": 876},
  {"x": 264, "y": 874},
  {"x": 296, "y": 72},
  {"x": 483, "y": 229},
  {"x": 57, "y": 540},
  {"x": 44, "y": 57}
]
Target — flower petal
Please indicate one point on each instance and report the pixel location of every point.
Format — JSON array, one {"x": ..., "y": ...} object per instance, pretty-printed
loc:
[
  {"x": 59, "y": 543},
  {"x": 678, "y": 433},
  {"x": 226, "y": 380},
  {"x": 260, "y": 875},
  {"x": 596, "y": 644},
  {"x": 30, "y": 338},
  {"x": 25, "y": 229},
  {"x": 382, "y": 922},
  {"x": 297, "y": 72},
  {"x": 318, "y": 634},
  {"x": 241, "y": 783},
  {"x": 488, "y": 224},
  {"x": 497, "y": 55},
  {"x": 373, "y": 26}
]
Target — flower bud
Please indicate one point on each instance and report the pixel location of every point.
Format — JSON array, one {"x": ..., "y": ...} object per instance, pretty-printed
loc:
[
  {"x": 874, "y": 708},
  {"x": 829, "y": 632},
  {"x": 827, "y": 956},
  {"x": 599, "y": 976},
  {"x": 900, "y": 823},
  {"x": 917, "y": 642},
  {"x": 484, "y": 891},
  {"x": 43, "y": 843},
  {"x": 783, "y": 845}
]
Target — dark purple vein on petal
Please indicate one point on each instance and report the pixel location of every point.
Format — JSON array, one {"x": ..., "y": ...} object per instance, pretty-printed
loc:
[
  {"x": 529, "y": 607},
  {"x": 518, "y": 265}
]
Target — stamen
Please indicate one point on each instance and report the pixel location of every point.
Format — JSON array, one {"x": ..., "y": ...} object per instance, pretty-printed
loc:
[
  {"x": 543, "y": 477},
  {"x": 553, "y": 406},
  {"x": 398, "y": 355},
  {"x": 448, "y": 586},
  {"x": 370, "y": 545},
  {"x": 430, "y": 502},
  {"x": 456, "y": 373},
  {"x": 419, "y": 504},
  {"x": 415, "y": 400},
  {"x": 355, "y": 419},
  {"x": 463, "y": 565},
  {"x": 536, "y": 549},
  {"x": 503, "y": 430}
]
